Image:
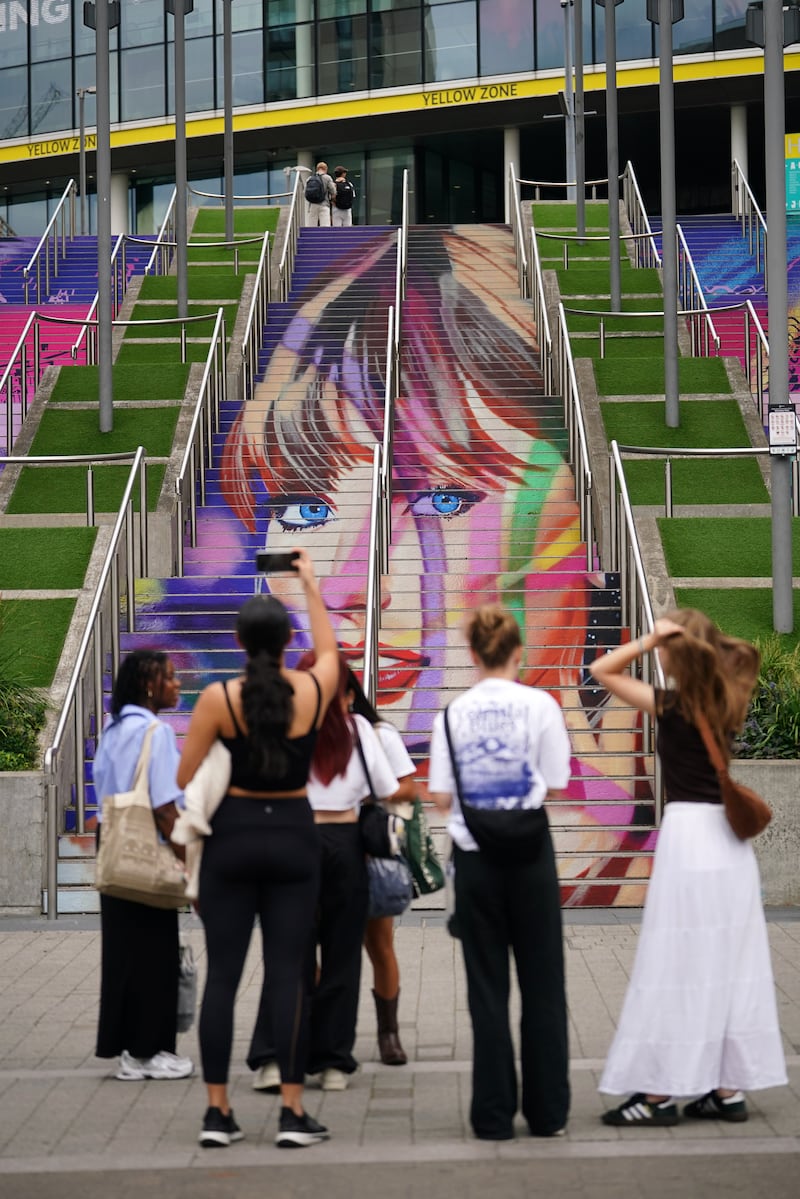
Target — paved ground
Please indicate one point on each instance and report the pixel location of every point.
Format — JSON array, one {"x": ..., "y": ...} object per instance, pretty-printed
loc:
[{"x": 68, "y": 1129}]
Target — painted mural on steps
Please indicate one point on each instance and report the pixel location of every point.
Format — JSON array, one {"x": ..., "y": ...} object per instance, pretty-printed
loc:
[{"x": 483, "y": 509}]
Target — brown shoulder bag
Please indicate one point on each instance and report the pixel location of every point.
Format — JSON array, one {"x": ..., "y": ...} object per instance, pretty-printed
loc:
[{"x": 748, "y": 814}]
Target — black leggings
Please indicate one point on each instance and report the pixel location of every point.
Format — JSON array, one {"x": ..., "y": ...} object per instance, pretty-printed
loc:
[{"x": 262, "y": 859}]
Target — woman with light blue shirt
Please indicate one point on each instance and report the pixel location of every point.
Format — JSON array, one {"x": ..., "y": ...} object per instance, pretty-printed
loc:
[{"x": 139, "y": 965}]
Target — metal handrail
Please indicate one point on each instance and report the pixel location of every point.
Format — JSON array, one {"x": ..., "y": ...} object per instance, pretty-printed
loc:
[
  {"x": 745, "y": 208},
  {"x": 289, "y": 252},
  {"x": 701, "y": 326},
  {"x": 116, "y": 296},
  {"x": 70, "y": 192},
  {"x": 183, "y": 321},
  {"x": 402, "y": 264},
  {"x": 256, "y": 320},
  {"x": 375, "y": 557},
  {"x": 637, "y": 607},
  {"x": 557, "y": 184},
  {"x": 221, "y": 195},
  {"x": 515, "y": 211},
  {"x": 7, "y": 381},
  {"x": 578, "y": 440},
  {"x": 166, "y": 232},
  {"x": 197, "y": 454},
  {"x": 540, "y": 318},
  {"x": 759, "y": 389},
  {"x": 101, "y": 639},
  {"x": 637, "y": 218}
]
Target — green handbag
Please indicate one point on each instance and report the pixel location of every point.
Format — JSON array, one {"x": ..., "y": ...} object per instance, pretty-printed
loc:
[{"x": 419, "y": 852}]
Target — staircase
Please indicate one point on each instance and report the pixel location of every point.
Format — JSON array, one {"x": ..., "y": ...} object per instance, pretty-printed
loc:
[{"x": 484, "y": 509}]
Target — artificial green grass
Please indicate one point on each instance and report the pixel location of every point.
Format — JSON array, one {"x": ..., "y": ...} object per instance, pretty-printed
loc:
[
  {"x": 586, "y": 281},
  {"x": 63, "y": 432},
  {"x": 47, "y": 490},
  {"x": 618, "y": 347},
  {"x": 638, "y": 324},
  {"x": 152, "y": 312},
  {"x": 700, "y": 481},
  {"x": 32, "y": 642},
  {"x": 246, "y": 221},
  {"x": 705, "y": 424},
  {"x": 44, "y": 559},
  {"x": 560, "y": 215},
  {"x": 722, "y": 547},
  {"x": 157, "y": 353},
  {"x": 205, "y": 284},
  {"x": 247, "y": 254},
  {"x": 740, "y": 611},
  {"x": 552, "y": 248},
  {"x": 129, "y": 383},
  {"x": 696, "y": 376}
]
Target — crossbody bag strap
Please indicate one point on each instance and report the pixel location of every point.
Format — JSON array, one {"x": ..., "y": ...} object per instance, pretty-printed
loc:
[
  {"x": 140, "y": 774},
  {"x": 456, "y": 774},
  {"x": 372, "y": 796},
  {"x": 711, "y": 744}
]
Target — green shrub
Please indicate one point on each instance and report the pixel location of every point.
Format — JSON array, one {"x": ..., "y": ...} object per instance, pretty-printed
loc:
[
  {"x": 22, "y": 711},
  {"x": 772, "y": 728}
]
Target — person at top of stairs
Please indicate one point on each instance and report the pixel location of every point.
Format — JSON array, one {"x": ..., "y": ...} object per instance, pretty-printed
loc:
[
  {"x": 484, "y": 501},
  {"x": 262, "y": 858}
]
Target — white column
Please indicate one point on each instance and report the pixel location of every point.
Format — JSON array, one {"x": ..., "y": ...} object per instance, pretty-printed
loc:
[
  {"x": 510, "y": 154},
  {"x": 739, "y": 135},
  {"x": 119, "y": 203}
]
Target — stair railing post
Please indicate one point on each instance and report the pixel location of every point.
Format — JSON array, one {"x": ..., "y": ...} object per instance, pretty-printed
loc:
[
  {"x": 130, "y": 568},
  {"x": 80, "y": 769},
  {"x": 97, "y": 661},
  {"x": 668, "y": 487},
  {"x": 90, "y": 495},
  {"x": 144, "y": 552},
  {"x": 114, "y": 615},
  {"x": 52, "y": 844}
]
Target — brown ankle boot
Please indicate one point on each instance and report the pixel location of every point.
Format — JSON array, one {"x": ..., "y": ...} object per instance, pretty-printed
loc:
[{"x": 391, "y": 1051}]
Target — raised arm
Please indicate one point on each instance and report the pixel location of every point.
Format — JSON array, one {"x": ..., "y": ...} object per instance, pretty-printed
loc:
[
  {"x": 323, "y": 638},
  {"x": 610, "y": 669}
]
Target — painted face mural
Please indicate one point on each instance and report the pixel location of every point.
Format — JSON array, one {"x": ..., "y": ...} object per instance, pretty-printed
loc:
[{"x": 483, "y": 508}]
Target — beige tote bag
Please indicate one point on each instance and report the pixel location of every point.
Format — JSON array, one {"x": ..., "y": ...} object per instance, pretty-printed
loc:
[{"x": 132, "y": 862}]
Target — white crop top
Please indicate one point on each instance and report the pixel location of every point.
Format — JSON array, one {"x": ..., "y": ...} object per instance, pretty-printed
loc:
[{"x": 347, "y": 790}]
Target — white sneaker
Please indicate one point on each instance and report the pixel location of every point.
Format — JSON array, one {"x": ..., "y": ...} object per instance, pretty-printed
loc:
[
  {"x": 268, "y": 1078},
  {"x": 333, "y": 1080},
  {"x": 160, "y": 1065}
]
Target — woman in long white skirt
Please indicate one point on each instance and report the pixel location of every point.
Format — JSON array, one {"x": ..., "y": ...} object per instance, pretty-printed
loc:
[{"x": 699, "y": 1016}]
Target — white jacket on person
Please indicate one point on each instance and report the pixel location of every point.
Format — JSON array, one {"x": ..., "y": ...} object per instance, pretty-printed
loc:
[{"x": 202, "y": 797}]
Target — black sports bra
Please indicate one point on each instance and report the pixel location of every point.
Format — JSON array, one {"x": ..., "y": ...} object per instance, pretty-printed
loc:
[{"x": 299, "y": 751}]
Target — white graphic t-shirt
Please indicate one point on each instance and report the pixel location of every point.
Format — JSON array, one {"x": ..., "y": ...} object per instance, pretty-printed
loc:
[{"x": 511, "y": 745}]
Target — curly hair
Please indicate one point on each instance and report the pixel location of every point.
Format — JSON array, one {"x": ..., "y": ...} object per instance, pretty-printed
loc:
[{"x": 138, "y": 673}]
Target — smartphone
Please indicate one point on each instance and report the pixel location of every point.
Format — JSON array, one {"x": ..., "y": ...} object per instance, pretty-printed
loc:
[{"x": 269, "y": 562}]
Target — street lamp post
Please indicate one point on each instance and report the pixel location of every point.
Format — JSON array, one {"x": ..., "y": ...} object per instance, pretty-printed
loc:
[
  {"x": 772, "y": 26},
  {"x": 612, "y": 150},
  {"x": 102, "y": 17},
  {"x": 82, "y": 93},
  {"x": 227, "y": 69},
  {"x": 179, "y": 8},
  {"x": 569, "y": 103},
  {"x": 666, "y": 13}
]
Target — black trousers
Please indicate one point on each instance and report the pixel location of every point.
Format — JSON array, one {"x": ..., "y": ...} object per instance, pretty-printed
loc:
[
  {"x": 341, "y": 920},
  {"x": 138, "y": 979},
  {"x": 262, "y": 859},
  {"x": 518, "y": 906}
]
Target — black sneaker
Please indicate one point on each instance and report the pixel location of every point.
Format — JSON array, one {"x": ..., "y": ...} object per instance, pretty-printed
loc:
[
  {"x": 713, "y": 1107},
  {"x": 637, "y": 1111},
  {"x": 218, "y": 1130},
  {"x": 298, "y": 1132}
]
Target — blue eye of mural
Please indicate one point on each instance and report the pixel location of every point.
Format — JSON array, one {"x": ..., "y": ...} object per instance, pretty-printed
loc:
[
  {"x": 444, "y": 503},
  {"x": 304, "y": 514}
]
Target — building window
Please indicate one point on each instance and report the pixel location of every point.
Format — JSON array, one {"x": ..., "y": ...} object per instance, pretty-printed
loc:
[
  {"x": 51, "y": 96},
  {"x": 143, "y": 85},
  {"x": 506, "y": 36},
  {"x": 396, "y": 48},
  {"x": 342, "y": 55},
  {"x": 451, "y": 41}
]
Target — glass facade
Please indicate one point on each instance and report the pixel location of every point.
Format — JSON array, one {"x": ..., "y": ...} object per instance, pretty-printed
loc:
[{"x": 293, "y": 49}]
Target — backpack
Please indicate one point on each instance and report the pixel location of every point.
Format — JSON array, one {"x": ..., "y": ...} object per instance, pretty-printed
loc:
[
  {"x": 315, "y": 189},
  {"x": 345, "y": 193}
]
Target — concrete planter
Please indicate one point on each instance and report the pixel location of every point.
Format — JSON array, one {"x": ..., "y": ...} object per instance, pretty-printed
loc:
[
  {"x": 22, "y": 846},
  {"x": 778, "y": 848}
]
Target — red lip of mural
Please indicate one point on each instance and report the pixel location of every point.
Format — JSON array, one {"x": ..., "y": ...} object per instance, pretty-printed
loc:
[{"x": 393, "y": 681}]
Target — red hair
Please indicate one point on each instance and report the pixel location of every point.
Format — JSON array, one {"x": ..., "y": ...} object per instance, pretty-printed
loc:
[{"x": 335, "y": 738}]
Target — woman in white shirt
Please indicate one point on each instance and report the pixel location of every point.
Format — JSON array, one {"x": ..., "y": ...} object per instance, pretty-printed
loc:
[
  {"x": 379, "y": 937},
  {"x": 510, "y": 750}
]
